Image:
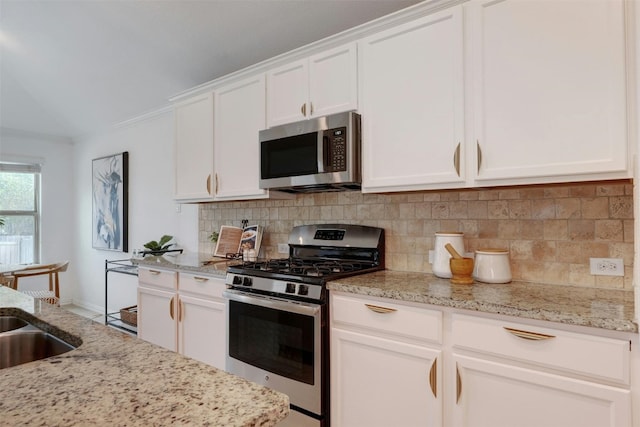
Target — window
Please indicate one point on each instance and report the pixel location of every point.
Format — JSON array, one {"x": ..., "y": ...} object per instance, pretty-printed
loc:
[{"x": 20, "y": 211}]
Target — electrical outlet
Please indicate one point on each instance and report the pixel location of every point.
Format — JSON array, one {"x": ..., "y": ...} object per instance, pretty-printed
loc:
[
  {"x": 606, "y": 266},
  {"x": 283, "y": 248}
]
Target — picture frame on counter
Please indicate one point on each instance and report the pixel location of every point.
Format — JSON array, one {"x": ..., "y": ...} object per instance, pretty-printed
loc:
[{"x": 110, "y": 182}]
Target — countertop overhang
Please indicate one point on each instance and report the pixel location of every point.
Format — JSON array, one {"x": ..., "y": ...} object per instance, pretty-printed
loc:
[{"x": 117, "y": 379}]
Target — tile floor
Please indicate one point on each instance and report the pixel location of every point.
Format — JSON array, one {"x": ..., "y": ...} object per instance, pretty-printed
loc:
[{"x": 98, "y": 317}]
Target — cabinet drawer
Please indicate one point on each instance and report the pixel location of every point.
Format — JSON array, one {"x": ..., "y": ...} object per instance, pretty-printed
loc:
[
  {"x": 199, "y": 284},
  {"x": 387, "y": 316},
  {"x": 598, "y": 357},
  {"x": 161, "y": 278}
]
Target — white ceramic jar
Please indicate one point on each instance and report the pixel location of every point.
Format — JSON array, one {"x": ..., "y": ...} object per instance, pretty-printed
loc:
[
  {"x": 440, "y": 266},
  {"x": 492, "y": 266}
]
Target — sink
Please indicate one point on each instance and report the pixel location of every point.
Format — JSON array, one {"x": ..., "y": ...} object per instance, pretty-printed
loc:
[
  {"x": 21, "y": 342},
  {"x": 9, "y": 323}
]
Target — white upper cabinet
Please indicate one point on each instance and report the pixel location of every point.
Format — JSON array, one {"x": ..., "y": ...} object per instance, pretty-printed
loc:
[
  {"x": 239, "y": 116},
  {"x": 412, "y": 105},
  {"x": 322, "y": 84},
  {"x": 484, "y": 93},
  {"x": 194, "y": 148},
  {"x": 513, "y": 92},
  {"x": 549, "y": 91}
]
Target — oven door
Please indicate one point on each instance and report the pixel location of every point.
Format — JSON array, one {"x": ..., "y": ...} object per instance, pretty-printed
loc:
[{"x": 277, "y": 343}]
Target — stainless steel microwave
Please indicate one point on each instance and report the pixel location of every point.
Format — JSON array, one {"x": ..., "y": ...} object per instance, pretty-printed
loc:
[{"x": 318, "y": 154}]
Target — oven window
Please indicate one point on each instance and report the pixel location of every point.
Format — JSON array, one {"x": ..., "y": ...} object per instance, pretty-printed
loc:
[
  {"x": 274, "y": 340},
  {"x": 291, "y": 156}
]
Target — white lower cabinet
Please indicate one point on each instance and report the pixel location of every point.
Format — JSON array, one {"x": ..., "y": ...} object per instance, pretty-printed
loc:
[
  {"x": 384, "y": 371},
  {"x": 183, "y": 312},
  {"x": 157, "y": 292},
  {"x": 495, "y": 394},
  {"x": 156, "y": 323},
  {"x": 510, "y": 374},
  {"x": 409, "y": 365}
]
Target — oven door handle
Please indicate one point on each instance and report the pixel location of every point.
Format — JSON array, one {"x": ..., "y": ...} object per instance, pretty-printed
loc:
[{"x": 270, "y": 302}]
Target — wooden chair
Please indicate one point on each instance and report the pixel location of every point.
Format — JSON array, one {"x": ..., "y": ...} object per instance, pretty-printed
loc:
[
  {"x": 52, "y": 296},
  {"x": 6, "y": 280}
]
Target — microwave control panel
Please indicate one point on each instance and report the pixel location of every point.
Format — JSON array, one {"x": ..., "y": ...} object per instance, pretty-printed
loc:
[{"x": 335, "y": 149}]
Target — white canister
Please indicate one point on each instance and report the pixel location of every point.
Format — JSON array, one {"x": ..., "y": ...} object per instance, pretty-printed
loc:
[
  {"x": 492, "y": 266},
  {"x": 440, "y": 266}
]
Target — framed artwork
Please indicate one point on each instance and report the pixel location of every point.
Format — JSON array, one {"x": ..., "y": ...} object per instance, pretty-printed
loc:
[{"x": 110, "y": 176}]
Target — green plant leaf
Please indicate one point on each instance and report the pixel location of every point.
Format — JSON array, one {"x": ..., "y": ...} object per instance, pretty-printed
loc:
[
  {"x": 164, "y": 240},
  {"x": 152, "y": 245}
]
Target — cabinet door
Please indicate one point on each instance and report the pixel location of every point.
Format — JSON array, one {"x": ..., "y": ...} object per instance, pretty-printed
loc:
[
  {"x": 157, "y": 317},
  {"x": 202, "y": 329},
  {"x": 411, "y": 98},
  {"x": 333, "y": 81},
  {"x": 194, "y": 148},
  {"x": 383, "y": 382},
  {"x": 239, "y": 116},
  {"x": 288, "y": 93},
  {"x": 495, "y": 394},
  {"x": 549, "y": 90}
]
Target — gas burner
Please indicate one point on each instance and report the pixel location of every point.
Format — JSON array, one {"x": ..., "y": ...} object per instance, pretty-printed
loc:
[{"x": 305, "y": 267}]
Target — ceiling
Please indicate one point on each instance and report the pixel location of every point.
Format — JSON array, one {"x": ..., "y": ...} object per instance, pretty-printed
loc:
[{"x": 72, "y": 68}]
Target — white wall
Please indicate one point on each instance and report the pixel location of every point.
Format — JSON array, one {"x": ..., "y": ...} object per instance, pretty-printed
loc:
[
  {"x": 58, "y": 222},
  {"x": 152, "y": 211}
]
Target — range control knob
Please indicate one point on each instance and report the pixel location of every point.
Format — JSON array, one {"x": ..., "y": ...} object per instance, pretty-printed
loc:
[
  {"x": 303, "y": 290},
  {"x": 237, "y": 280},
  {"x": 247, "y": 281},
  {"x": 290, "y": 288}
]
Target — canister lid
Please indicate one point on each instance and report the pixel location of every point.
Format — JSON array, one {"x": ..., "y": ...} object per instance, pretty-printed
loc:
[{"x": 492, "y": 251}]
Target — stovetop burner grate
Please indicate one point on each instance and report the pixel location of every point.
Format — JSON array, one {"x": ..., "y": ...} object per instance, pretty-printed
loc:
[{"x": 304, "y": 267}]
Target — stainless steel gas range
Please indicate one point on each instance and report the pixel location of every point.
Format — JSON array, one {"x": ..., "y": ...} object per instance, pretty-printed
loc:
[{"x": 278, "y": 314}]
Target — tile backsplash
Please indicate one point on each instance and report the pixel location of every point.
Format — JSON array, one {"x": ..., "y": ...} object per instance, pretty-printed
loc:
[{"x": 551, "y": 231}]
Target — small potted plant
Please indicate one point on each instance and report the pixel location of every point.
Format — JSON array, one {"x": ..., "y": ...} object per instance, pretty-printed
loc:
[{"x": 158, "y": 247}]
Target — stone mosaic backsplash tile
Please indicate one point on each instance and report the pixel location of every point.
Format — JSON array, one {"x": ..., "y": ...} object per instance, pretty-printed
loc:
[{"x": 551, "y": 231}]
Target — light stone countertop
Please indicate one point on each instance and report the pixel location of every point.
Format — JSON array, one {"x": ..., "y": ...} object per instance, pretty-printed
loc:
[
  {"x": 190, "y": 262},
  {"x": 610, "y": 309},
  {"x": 573, "y": 305},
  {"x": 115, "y": 379}
]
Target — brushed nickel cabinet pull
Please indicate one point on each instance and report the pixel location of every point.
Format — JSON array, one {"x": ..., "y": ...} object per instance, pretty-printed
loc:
[
  {"x": 303, "y": 109},
  {"x": 456, "y": 159},
  {"x": 209, "y": 184},
  {"x": 154, "y": 272},
  {"x": 200, "y": 279},
  {"x": 458, "y": 384},
  {"x": 171, "y": 308},
  {"x": 479, "y": 155},
  {"x": 217, "y": 182},
  {"x": 433, "y": 378},
  {"x": 180, "y": 310},
  {"x": 311, "y": 108},
  {"x": 379, "y": 309},
  {"x": 533, "y": 336}
]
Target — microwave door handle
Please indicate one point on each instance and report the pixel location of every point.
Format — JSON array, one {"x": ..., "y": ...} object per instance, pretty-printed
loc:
[{"x": 323, "y": 152}]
